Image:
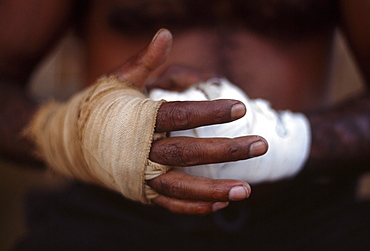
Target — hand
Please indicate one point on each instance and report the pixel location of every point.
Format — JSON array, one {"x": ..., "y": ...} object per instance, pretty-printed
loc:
[{"x": 179, "y": 192}]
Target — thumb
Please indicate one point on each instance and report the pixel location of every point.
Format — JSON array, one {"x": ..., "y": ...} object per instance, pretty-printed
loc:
[{"x": 137, "y": 69}]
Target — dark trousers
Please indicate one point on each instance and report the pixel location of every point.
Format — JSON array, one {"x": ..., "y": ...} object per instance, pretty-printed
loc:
[{"x": 303, "y": 214}]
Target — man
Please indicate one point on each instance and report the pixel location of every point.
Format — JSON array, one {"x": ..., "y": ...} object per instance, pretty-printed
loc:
[{"x": 278, "y": 51}]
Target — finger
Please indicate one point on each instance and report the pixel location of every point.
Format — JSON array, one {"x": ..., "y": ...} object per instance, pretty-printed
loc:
[
  {"x": 179, "y": 185},
  {"x": 187, "y": 151},
  {"x": 139, "y": 67},
  {"x": 181, "y": 115},
  {"x": 179, "y": 78},
  {"x": 188, "y": 207}
]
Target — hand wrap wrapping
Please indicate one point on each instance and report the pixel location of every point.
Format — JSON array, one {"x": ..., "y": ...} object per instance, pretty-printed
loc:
[
  {"x": 287, "y": 133},
  {"x": 102, "y": 135}
]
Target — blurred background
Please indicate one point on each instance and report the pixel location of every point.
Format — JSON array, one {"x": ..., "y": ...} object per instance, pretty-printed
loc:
[{"x": 60, "y": 76}]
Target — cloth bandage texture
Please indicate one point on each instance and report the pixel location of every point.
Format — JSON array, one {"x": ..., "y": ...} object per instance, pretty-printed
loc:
[
  {"x": 102, "y": 135},
  {"x": 287, "y": 133}
]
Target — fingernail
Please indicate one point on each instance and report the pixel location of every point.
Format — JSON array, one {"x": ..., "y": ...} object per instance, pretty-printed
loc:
[
  {"x": 219, "y": 205},
  {"x": 237, "y": 111},
  {"x": 158, "y": 33},
  {"x": 155, "y": 36},
  {"x": 238, "y": 193},
  {"x": 257, "y": 148}
]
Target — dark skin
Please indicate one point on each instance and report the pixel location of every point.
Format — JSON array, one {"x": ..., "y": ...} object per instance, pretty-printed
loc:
[
  {"x": 346, "y": 132},
  {"x": 199, "y": 196},
  {"x": 285, "y": 64},
  {"x": 177, "y": 190}
]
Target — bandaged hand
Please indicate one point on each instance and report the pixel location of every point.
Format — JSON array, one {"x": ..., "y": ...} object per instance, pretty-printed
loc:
[
  {"x": 287, "y": 133},
  {"x": 112, "y": 135}
]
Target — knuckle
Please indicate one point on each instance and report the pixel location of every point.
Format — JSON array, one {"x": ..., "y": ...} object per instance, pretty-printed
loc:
[
  {"x": 176, "y": 189},
  {"x": 179, "y": 116},
  {"x": 169, "y": 187},
  {"x": 218, "y": 193},
  {"x": 182, "y": 155},
  {"x": 190, "y": 155},
  {"x": 219, "y": 110},
  {"x": 171, "y": 153},
  {"x": 233, "y": 152},
  {"x": 221, "y": 114}
]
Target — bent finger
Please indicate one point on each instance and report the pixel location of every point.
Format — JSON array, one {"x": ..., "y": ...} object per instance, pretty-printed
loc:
[{"x": 179, "y": 185}]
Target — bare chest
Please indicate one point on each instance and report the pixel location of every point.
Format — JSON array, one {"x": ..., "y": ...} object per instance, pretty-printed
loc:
[
  {"x": 269, "y": 17},
  {"x": 273, "y": 49}
]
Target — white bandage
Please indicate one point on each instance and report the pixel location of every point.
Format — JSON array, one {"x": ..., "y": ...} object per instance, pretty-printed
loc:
[
  {"x": 102, "y": 135},
  {"x": 287, "y": 133}
]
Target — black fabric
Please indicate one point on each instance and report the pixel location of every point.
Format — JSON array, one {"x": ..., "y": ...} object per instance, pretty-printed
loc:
[{"x": 300, "y": 215}]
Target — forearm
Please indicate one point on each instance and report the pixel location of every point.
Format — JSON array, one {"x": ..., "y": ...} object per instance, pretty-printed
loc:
[
  {"x": 341, "y": 137},
  {"x": 16, "y": 110}
]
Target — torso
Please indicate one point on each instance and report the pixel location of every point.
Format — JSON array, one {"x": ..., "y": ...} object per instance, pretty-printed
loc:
[{"x": 276, "y": 50}]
